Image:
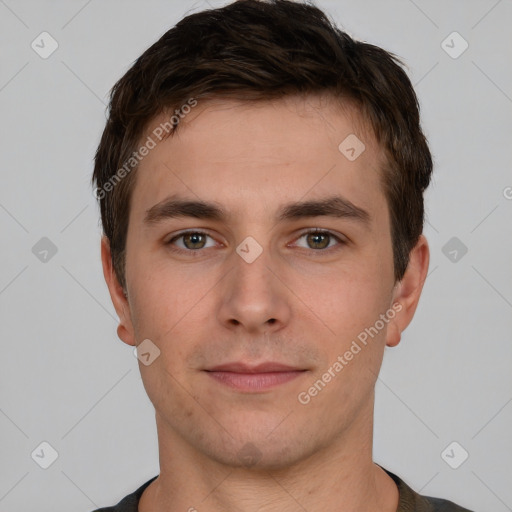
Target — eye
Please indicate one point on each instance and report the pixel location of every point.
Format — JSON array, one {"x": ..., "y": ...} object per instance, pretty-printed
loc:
[
  {"x": 318, "y": 239},
  {"x": 191, "y": 241}
]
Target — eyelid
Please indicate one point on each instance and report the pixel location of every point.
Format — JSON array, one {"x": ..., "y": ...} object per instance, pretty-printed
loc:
[
  {"x": 338, "y": 237},
  {"x": 181, "y": 234}
]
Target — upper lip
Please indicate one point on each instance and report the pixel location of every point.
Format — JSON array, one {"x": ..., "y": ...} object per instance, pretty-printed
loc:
[{"x": 238, "y": 367}]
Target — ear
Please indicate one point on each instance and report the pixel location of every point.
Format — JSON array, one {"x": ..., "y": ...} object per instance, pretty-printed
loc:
[
  {"x": 406, "y": 294},
  {"x": 125, "y": 328}
]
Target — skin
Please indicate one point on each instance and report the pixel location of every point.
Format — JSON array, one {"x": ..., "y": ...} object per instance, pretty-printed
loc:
[{"x": 299, "y": 303}]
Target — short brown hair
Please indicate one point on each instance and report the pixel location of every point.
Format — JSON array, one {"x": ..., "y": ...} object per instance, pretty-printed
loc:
[{"x": 257, "y": 50}]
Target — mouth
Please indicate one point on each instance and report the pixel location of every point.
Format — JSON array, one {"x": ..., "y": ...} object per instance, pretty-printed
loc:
[{"x": 254, "y": 378}]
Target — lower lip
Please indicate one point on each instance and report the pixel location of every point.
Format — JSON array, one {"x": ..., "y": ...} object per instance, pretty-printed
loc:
[{"x": 254, "y": 381}]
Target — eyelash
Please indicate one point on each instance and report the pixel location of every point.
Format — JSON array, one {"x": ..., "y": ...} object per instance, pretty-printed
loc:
[{"x": 314, "y": 231}]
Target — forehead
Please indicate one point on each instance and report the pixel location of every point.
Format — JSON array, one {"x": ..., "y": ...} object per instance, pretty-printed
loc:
[{"x": 258, "y": 155}]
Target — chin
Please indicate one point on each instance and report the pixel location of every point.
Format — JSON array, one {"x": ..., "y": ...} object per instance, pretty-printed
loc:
[{"x": 257, "y": 453}]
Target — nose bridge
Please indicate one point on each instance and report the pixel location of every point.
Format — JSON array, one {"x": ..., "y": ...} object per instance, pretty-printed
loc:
[
  {"x": 251, "y": 266},
  {"x": 252, "y": 294}
]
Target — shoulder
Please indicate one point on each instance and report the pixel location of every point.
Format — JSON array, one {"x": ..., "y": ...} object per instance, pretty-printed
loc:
[
  {"x": 411, "y": 501},
  {"x": 129, "y": 503},
  {"x": 440, "y": 505}
]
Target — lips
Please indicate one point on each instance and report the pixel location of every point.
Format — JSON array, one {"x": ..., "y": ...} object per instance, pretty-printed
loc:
[
  {"x": 247, "y": 378},
  {"x": 269, "y": 367}
]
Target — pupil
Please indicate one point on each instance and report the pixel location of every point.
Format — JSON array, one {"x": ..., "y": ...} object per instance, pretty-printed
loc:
[
  {"x": 195, "y": 238},
  {"x": 316, "y": 237}
]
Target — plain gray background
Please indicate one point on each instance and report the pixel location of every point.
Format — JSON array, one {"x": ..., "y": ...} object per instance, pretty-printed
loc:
[{"x": 65, "y": 377}]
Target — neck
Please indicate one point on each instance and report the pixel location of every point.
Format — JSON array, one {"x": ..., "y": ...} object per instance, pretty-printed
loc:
[{"x": 340, "y": 476}]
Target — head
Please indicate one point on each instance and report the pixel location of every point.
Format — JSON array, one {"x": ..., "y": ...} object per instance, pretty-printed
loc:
[{"x": 252, "y": 108}]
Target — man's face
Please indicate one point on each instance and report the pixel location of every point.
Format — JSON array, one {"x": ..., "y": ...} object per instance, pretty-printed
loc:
[{"x": 205, "y": 299}]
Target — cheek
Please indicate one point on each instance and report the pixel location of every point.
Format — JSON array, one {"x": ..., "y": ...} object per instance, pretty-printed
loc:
[
  {"x": 350, "y": 300},
  {"x": 170, "y": 311},
  {"x": 351, "y": 309},
  {"x": 160, "y": 297}
]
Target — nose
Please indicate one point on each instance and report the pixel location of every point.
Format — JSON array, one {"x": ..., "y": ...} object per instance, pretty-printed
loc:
[{"x": 254, "y": 296}]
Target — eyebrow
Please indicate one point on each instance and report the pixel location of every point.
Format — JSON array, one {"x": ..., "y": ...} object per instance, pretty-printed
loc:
[{"x": 335, "y": 206}]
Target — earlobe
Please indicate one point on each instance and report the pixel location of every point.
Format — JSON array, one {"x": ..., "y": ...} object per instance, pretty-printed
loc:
[
  {"x": 408, "y": 291},
  {"x": 393, "y": 335},
  {"x": 117, "y": 295}
]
